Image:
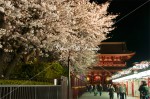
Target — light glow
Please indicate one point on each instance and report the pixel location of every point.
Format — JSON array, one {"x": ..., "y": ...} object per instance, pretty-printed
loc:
[{"x": 134, "y": 76}]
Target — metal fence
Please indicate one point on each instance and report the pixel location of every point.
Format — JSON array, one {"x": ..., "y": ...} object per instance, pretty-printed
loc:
[
  {"x": 30, "y": 92},
  {"x": 58, "y": 91}
]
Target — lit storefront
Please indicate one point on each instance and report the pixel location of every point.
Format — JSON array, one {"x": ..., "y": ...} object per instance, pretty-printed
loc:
[{"x": 132, "y": 77}]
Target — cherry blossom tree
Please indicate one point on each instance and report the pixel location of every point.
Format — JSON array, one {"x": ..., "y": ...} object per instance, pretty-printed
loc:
[{"x": 35, "y": 27}]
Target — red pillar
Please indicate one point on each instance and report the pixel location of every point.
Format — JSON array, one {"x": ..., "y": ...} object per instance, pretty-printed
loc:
[
  {"x": 133, "y": 88},
  {"x": 127, "y": 87},
  {"x": 148, "y": 81}
]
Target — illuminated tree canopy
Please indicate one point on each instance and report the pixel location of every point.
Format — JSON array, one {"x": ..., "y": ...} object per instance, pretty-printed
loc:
[{"x": 40, "y": 26}]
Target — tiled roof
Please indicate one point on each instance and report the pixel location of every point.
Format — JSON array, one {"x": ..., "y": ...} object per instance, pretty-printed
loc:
[{"x": 113, "y": 48}]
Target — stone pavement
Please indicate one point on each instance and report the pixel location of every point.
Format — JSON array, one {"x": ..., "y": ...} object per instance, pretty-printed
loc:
[{"x": 105, "y": 95}]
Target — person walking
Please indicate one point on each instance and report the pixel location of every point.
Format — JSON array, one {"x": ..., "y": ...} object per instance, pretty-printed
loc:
[
  {"x": 125, "y": 91},
  {"x": 122, "y": 91},
  {"x": 91, "y": 88},
  {"x": 87, "y": 88},
  {"x": 104, "y": 87},
  {"x": 117, "y": 91},
  {"x": 107, "y": 87},
  {"x": 100, "y": 88},
  {"x": 111, "y": 92},
  {"x": 95, "y": 90},
  {"x": 143, "y": 89}
]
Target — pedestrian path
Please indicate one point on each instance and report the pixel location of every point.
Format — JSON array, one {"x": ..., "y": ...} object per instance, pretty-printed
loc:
[{"x": 105, "y": 95}]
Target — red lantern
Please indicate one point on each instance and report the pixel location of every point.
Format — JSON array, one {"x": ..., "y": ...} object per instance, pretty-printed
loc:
[{"x": 97, "y": 78}]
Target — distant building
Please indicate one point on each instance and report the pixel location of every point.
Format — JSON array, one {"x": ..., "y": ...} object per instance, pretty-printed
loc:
[{"x": 111, "y": 58}]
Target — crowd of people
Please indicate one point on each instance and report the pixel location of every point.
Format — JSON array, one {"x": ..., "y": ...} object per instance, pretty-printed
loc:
[
  {"x": 98, "y": 89},
  {"x": 120, "y": 89}
]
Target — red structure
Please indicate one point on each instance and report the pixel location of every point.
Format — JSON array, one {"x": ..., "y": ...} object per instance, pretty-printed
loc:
[
  {"x": 78, "y": 86},
  {"x": 112, "y": 57}
]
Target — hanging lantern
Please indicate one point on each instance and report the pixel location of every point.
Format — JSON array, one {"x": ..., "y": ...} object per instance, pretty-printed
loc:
[
  {"x": 108, "y": 78},
  {"x": 88, "y": 78},
  {"x": 96, "y": 78}
]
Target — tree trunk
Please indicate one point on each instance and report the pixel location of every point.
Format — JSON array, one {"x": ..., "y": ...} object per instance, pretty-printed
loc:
[
  {"x": 12, "y": 65},
  {"x": 2, "y": 62},
  {"x": 14, "y": 61}
]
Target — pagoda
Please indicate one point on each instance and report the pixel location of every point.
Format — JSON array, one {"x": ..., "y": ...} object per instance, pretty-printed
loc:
[{"x": 111, "y": 58}]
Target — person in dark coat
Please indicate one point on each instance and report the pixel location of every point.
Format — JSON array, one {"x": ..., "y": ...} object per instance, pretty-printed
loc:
[
  {"x": 125, "y": 91},
  {"x": 117, "y": 91},
  {"x": 100, "y": 88},
  {"x": 111, "y": 92},
  {"x": 143, "y": 89}
]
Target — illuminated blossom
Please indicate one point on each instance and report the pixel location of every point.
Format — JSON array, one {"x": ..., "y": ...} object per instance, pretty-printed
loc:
[{"x": 50, "y": 25}]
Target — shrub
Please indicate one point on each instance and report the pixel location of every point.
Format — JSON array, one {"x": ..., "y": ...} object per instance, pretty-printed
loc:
[
  {"x": 22, "y": 82},
  {"x": 40, "y": 70}
]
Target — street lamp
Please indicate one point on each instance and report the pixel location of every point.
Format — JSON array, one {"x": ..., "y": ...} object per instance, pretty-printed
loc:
[{"x": 68, "y": 74}]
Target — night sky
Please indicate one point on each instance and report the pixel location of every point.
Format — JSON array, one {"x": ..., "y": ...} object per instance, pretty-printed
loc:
[{"x": 133, "y": 29}]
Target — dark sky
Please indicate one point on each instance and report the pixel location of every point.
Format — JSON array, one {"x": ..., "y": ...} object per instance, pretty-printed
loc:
[{"x": 133, "y": 29}]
